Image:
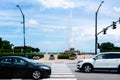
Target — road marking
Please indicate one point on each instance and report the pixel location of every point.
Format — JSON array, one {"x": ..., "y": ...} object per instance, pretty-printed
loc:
[
  {"x": 15, "y": 79},
  {"x": 60, "y": 71},
  {"x": 61, "y": 79},
  {"x": 62, "y": 76}
]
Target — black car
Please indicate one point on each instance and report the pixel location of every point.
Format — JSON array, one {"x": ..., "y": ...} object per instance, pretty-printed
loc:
[{"x": 21, "y": 67}]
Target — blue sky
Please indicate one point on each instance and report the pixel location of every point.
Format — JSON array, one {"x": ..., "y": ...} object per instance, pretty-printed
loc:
[{"x": 57, "y": 25}]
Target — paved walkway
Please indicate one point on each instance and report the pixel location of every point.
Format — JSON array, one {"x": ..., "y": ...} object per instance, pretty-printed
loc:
[{"x": 56, "y": 60}]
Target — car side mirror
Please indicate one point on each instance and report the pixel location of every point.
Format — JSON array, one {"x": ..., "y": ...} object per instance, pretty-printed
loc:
[{"x": 94, "y": 58}]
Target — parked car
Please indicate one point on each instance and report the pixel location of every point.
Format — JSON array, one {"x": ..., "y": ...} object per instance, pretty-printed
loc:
[
  {"x": 21, "y": 67},
  {"x": 107, "y": 61}
]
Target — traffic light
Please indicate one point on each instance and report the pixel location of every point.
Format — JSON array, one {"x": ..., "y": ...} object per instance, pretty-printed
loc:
[
  {"x": 114, "y": 25},
  {"x": 104, "y": 31}
]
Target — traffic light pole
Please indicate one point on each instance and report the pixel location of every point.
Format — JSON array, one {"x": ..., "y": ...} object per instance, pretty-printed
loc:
[{"x": 96, "y": 38}]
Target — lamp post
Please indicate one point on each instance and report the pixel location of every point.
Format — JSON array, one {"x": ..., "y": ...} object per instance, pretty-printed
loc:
[
  {"x": 23, "y": 28},
  {"x": 96, "y": 38}
]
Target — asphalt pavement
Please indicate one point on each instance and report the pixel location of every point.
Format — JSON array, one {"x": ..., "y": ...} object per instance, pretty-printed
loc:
[{"x": 66, "y": 70}]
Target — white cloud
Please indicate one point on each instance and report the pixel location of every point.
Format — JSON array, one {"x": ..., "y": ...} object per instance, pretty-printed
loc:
[
  {"x": 116, "y": 9},
  {"x": 49, "y": 47},
  {"x": 52, "y": 28},
  {"x": 32, "y": 22},
  {"x": 58, "y": 4},
  {"x": 83, "y": 33},
  {"x": 47, "y": 29}
]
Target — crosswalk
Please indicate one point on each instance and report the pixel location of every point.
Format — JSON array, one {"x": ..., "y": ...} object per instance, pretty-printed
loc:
[{"x": 60, "y": 71}]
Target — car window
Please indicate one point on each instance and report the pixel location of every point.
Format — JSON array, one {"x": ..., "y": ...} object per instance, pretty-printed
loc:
[
  {"x": 6, "y": 60},
  {"x": 101, "y": 56},
  {"x": 19, "y": 61},
  {"x": 112, "y": 56},
  {"x": 118, "y": 56}
]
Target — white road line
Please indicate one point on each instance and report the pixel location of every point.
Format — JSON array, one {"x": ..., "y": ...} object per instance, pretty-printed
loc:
[
  {"x": 61, "y": 73},
  {"x": 62, "y": 76},
  {"x": 15, "y": 79},
  {"x": 61, "y": 79}
]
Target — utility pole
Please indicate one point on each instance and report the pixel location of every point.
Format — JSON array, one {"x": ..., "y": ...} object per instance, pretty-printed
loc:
[{"x": 23, "y": 16}]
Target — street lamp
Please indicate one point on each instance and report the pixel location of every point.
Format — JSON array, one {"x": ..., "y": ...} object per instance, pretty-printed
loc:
[
  {"x": 23, "y": 27},
  {"x": 96, "y": 38}
]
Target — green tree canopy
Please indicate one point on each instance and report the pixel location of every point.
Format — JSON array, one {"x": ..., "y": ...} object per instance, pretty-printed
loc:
[
  {"x": 6, "y": 46},
  {"x": 106, "y": 47}
]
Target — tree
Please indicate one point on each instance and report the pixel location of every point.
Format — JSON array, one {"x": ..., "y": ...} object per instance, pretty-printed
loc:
[
  {"x": 37, "y": 50},
  {"x": 6, "y": 46},
  {"x": 29, "y": 49},
  {"x": 106, "y": 47}
]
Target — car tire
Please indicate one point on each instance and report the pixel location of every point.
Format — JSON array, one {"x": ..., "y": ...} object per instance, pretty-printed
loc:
[
  {"x": 119, "y": 69},
  {"x": 36, "y": 74},
  {"x": 87, "y": 68}
]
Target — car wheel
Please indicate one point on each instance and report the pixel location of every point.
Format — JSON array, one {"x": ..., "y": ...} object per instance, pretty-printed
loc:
[
  {"x": 87, "y": 68},
  {"x": 119, "y": 69},
  {"x": 36, "y": 74}
]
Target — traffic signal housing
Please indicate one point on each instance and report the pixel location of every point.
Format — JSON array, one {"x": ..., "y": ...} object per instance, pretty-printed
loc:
[
  {"x": 114, "y": 25},
  {"x": 104, "y": 31}
]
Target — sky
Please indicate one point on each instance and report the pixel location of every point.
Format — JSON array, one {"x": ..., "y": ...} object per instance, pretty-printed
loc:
[{"x": 57, "y": 25}]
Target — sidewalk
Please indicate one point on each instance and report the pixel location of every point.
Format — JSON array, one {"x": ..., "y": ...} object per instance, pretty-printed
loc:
[{"x": 56, "y": 60}]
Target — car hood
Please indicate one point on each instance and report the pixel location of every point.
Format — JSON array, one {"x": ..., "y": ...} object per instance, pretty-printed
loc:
[
  {"x": 86, "y": 60},
  {"x": 41, "y": 64}
]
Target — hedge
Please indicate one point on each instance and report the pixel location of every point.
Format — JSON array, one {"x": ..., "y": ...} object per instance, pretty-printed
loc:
[
  {"x": 28, "y": 55},
  {"x": 63, "y": 56}
]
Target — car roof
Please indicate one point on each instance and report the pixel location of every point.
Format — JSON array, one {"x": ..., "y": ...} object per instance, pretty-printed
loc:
[{"x": 110, "y": 53}]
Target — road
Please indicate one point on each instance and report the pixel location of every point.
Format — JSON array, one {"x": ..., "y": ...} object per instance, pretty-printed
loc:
[{"x": 68, "y": 71}]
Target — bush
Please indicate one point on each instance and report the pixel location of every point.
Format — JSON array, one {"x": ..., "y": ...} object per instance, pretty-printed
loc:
[
  {"x": 28, "y": 55},
  {"x": 72, "y": 55},
  {"x": 63, "y": 56},
  {"x": 34, "y": 55}
]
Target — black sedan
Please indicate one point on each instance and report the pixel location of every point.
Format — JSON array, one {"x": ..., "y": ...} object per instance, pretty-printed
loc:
[{"x": 21, "y": 67}]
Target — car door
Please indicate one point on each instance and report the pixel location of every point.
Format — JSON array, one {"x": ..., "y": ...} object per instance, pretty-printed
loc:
[
  {"x": 100, "y": 61},
  {"x": 112, "y": 60},
  {"x": 20, "y": 67},
  {"x": 6, "y": 67}
]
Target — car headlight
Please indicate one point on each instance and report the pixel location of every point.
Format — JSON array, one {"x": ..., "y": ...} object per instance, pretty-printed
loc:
[{"x": 44, "y": 67}]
